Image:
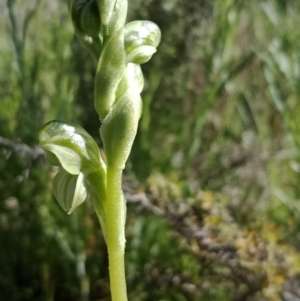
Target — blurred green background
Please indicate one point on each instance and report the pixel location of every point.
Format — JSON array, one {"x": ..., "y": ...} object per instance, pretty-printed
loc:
[{"x": 213, "y": 181}]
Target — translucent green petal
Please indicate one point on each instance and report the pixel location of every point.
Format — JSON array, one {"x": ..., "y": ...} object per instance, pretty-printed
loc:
[
  {"x": 80, "y": 193},
  {"x": 74, "y": 148},
  {"x": 69, "y": 159},
  {"x": 141, "y": 54},
  {"x": 51, "y": 158},
  {"x": 141, "y": 39},
  {"x": 69, "y": 190}
]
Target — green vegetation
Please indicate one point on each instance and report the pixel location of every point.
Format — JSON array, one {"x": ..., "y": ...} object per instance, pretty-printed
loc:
[{"x": 212, "y": 180}]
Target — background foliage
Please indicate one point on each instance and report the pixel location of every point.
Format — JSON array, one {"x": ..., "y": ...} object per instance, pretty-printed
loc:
[{"x": 213, "y": 180}]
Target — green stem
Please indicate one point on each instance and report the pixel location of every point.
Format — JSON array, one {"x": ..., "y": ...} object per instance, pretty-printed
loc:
[
  {"x": 97, "y": 182},
  {"x": 115, "y": 218}
]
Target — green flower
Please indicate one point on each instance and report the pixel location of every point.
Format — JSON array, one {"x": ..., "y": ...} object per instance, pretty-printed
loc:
[
  {"x": 141, "y": 39},
  {"x": 75, "y": 151}
]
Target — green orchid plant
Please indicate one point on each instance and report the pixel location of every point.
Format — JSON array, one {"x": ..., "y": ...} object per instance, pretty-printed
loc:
[{"x": 118, "y": 49}]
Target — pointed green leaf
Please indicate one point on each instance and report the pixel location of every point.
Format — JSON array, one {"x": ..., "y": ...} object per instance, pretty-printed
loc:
[
  {"x": 109, "y": 72},
  {"x": 119, "y": 128},
  {"x": 113, "y": 14},
  {"x": 69, "y": 190},
  {"x": 118, "y": 17},
  {"x": 74, "y": 148},
  {"x": 106, "y": 8}
]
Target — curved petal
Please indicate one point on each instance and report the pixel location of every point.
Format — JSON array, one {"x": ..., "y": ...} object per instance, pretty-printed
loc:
[
  {"x": 141, "y": 39},
  {"x": 73, "y": 147},
  {"x": 69, "y": 190}
]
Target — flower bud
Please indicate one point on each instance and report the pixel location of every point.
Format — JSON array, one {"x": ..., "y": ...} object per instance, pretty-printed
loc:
[
  {"x": 86, "y": 18},
  {"x": 141, "y": 39},
  {"x": 70, "y": 146}
]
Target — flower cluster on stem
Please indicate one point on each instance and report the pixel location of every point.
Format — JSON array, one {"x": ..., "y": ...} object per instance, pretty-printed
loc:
[{"x": 118, "y": 49}]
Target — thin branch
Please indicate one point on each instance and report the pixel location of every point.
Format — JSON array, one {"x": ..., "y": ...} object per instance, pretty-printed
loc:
[
  {"x": 22, "y": 150},
  {"x": 16, "y": 40},
  {"x": 29, "y": 16}
]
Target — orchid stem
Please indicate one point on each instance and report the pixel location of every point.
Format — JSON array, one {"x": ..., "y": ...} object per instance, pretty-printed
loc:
[{"x": 115, "y": 214}]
